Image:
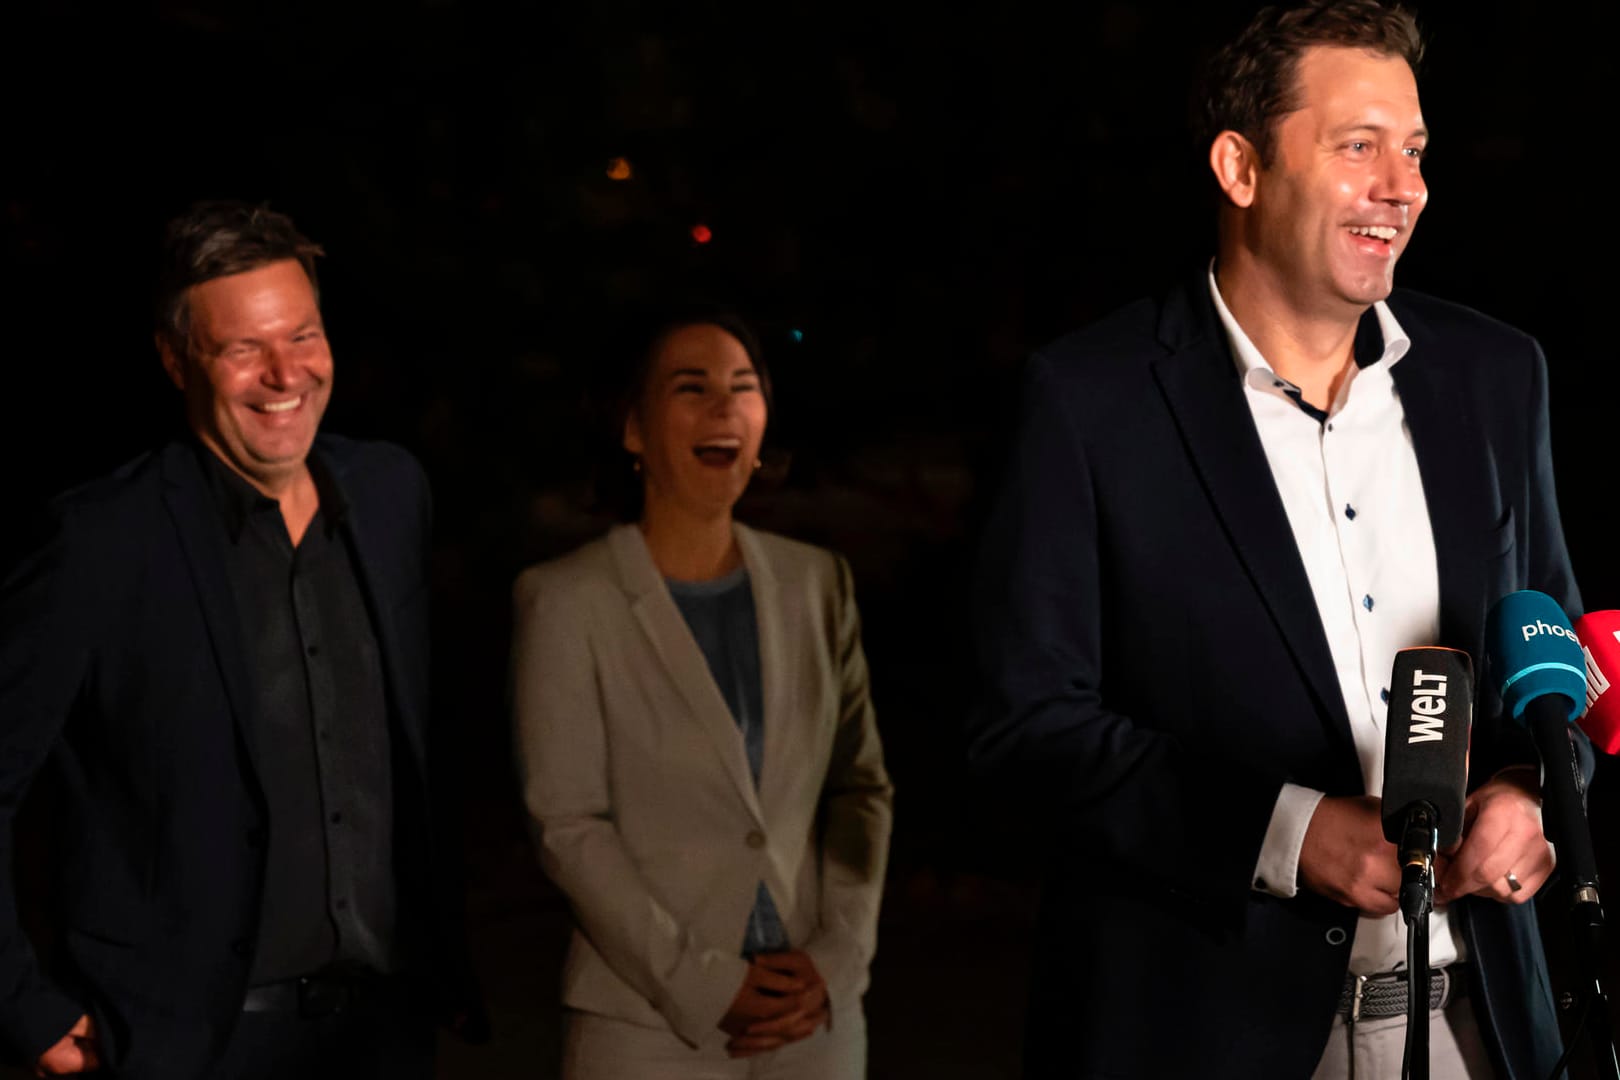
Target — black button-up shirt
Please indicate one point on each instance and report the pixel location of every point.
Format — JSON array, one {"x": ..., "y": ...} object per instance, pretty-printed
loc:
[{"x": 319, "y": 729}]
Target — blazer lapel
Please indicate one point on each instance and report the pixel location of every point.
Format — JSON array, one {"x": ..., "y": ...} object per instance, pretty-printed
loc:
[
  {"x": 1200, "y": 382},
  {"x": 683, "y": 661},
  {"x": 201, "y": 534},
  {"x": 1455, "y": 463},
  {"x": 371, "y": 553},
  {"x": 777, "y": 673}
]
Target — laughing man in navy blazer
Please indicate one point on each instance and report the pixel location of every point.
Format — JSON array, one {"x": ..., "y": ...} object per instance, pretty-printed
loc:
[
  {"x": 220, "y": 651},
  {"x": 1226, "y": 510}
]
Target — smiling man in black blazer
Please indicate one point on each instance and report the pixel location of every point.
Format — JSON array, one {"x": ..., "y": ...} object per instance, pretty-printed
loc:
[
  {"x": 1226, "y": 510},
  {"x": 221, "y": 652}
]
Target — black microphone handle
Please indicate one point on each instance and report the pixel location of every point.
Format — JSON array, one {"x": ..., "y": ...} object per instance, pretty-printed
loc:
[
  {"x": 1416, "y": 852},
  {"x": 1563, "y": 819},
  {"x": 1562, "y": 814}
]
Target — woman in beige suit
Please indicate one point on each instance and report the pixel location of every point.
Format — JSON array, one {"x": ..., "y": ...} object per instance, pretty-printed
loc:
[{"x": 699, "y": 755}]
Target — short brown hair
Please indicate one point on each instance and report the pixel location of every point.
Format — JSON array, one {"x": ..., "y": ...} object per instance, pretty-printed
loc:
[
  {"x": 1251, "y": 82},
  {"x": 214, "y": 240}
]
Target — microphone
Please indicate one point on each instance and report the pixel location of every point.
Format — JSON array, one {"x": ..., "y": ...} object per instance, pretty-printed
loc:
[
  {"x": 1431, "y": 695},
  {"x": 1540, "y": 666},
  {"x": 1599, "y": 634},
  {"x": 1543, "y": 668}
]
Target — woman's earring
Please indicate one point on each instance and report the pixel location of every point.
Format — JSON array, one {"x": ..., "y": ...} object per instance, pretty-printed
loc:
[
  {"x": 757, "y": 464},
  {"x": 635, "y": 465}
]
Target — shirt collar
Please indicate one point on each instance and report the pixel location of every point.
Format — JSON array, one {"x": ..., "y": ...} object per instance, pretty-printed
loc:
[
  {"x": 237, "y": 500},
  {"x": 1379, "y": 337}
]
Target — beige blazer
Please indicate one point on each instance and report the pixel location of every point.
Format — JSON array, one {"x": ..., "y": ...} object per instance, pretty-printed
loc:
[{"x": 638, "y": 788}]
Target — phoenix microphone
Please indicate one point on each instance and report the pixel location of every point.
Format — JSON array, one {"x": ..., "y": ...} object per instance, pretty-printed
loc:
[
  {"x": 1599, "y": 633},
  {"x": 1431, "y": 694},
  {"x": 1540, "y": 666},
  {"x": 1543, "y": 671}
]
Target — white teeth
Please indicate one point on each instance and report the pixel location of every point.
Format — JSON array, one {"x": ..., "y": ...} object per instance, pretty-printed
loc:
[
  {"x": 1381, "y": 232},
  {"x": 281, "y": 406},
  {"x": 720, "y": 444}
]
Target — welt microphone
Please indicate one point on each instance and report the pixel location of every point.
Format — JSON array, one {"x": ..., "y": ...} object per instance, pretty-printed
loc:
[
  {"x": 1431, "y": 693},
  {"x": 1599, "y": 634},
  {"x": 1540, "y": 666}
]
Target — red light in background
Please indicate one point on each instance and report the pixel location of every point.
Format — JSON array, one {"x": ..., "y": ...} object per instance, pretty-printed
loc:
[{"x": 701, "y": 234}]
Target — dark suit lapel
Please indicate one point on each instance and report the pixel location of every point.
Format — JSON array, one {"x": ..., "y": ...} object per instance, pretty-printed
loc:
[
  {"x": 1205, "y": 393},
  {"x": 201, "y": 535},
  {"x": 371, "y": 553},
  {"x": 1455, "y": 464}
]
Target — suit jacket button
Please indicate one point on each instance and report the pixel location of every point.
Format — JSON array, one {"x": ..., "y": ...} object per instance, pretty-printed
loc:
[
  {"x": 1337, "y": 936},
  {"x": 755, "y": 839}
]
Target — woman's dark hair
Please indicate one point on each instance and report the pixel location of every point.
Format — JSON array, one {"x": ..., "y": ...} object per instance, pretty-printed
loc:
[{"x": 622, "y": 386}]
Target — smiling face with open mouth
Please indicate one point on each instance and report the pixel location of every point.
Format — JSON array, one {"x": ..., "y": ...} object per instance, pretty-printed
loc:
[
  {"x": 698, "y": 425},
  {"x": 258, "y": 372},
  {"x": 1336, "y": 206}
]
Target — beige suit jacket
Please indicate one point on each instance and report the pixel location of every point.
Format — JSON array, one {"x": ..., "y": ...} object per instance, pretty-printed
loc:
[{"x": 638, "y": 788}]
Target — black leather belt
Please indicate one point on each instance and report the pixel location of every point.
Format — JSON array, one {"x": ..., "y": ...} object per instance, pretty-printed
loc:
[
  {"x": 1367, "y": 997},
  {"x": 309, "y": 996}
]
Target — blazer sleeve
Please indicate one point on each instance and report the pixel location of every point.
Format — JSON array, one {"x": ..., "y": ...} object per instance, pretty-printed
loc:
[
  {"x": 563, "y": 766},
  {"x": 857, "y": 817},
  {"x": 1498, "y": 741},
  {"x": 43, "y": 656},
  {"x": 1550, "y": 570},
  {"x": 1114, "y": 790}
]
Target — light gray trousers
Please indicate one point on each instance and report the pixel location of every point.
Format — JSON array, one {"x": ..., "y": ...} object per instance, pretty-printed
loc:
[{"x": 1456, "y": 1051}]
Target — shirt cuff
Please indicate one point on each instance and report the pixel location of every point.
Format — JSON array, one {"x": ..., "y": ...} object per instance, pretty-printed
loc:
[{"x": 1277, "y": 870}]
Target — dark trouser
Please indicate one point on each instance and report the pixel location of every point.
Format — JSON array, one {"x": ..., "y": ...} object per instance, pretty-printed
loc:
[{"x": 367, "y": 1031}]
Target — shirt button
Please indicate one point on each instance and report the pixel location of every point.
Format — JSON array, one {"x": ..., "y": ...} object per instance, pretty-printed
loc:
[
  {"x": 1336, "y": 935},
  {"x": 337, "y": 817},
  {"x": 314, "y": 650},
  {"x": 1367, "y": 602},
  {"x": 1383, "y": 695},
  {"x": 1349, "y": 511},
  {"x": 755, "y": 839}
]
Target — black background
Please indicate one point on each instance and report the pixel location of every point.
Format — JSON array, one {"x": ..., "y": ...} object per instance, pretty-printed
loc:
[{"x": 924, "y": 192}]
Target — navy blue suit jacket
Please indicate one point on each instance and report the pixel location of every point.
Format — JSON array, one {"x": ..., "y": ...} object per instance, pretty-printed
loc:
[
  {"x": 1156, "y": 670},
  {"x": 122, "y": 665}
]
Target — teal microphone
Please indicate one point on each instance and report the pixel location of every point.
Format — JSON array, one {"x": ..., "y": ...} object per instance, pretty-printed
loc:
[
  {"x": 1537, "y": 661},
  {"x": 1533, "y": 654}
]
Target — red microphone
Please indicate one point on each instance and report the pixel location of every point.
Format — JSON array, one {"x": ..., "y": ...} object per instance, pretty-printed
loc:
[{"x": 1599, "y": 635}]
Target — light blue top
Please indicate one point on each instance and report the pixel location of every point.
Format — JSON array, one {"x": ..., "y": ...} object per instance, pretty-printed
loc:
[{"x": 720, "y": 614}]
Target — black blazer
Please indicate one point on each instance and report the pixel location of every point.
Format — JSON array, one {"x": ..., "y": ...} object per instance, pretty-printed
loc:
[
  {"x": 1156, "y": 670},
  {"x": 122, "y": 663}
]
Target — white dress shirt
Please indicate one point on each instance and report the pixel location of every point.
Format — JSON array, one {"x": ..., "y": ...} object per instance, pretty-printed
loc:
[{"x": 1354, "y": 499}]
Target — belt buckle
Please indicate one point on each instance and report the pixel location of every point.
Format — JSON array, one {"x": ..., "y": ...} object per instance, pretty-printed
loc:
[
  {"x": 1355, "y": 998},
  {"x": 322, "y": 997}
]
